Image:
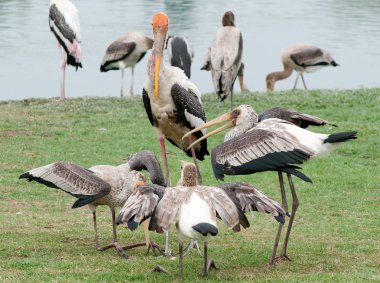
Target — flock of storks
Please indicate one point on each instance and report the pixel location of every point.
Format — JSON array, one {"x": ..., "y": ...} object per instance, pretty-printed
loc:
[{"x": 275, "y": 140}]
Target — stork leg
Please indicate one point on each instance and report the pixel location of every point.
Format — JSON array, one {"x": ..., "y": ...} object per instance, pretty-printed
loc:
[
  {"x": 95, "y": 229},
  {"x": 280, "y": 226},
  {"x": 164, "y": 158},
  {"x": 295, "y": 83},
  {"x": 303, "y": 80},
  {"x": 192, "y": 244},
  {"x": 208, "y": 264},
  {"x": 63, "y": 73},
  {"x": 180, "y": 256},
  {"x": 295, "y": 205},
  {"x": 132, "y": 79},
  {"x": 122, "y": 83}
]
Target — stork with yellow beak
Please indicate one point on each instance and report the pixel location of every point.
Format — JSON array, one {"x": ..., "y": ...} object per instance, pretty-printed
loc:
[{"x": 171, "y": 101}]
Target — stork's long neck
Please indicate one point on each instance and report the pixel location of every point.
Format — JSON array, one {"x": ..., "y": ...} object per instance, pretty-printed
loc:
[{"x": 282, "y": 74}]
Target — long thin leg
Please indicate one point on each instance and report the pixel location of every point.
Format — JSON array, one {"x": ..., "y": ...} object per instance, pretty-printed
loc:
[
  {"x": 95, "y": 229},
  {"x": 166, "y": 167},
  {"x": 295, "y": 205},
  {"x": 180, "y": 251},
  {"x": 285, "y": 207},
  {"x": 122, "y": 83},
  {"x": 205, "y": 264},
  {"x": 63, "y": 73},
  {"x": 295, "y": 83},
  {"x": 168, "y": 251},
  {"x": 132, "y": 79},
  {"x": 192, "y": 244},
  {"x": 303, "y": 80},
  {"x": 146, "y": 232}
]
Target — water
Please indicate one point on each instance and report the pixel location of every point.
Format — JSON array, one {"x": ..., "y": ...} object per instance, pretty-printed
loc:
[{"x": 349, "y": 29}]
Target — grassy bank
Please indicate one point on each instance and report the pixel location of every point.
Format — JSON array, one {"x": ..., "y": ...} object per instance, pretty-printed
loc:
[{"x": 336, "y": 230}]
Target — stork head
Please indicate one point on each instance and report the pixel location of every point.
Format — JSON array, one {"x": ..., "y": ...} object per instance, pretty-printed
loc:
[
  {"x": 160, "y": 23},
  {"x": 241, "y": 119},
  {"x": 270, "y": 80},
  {"x": 228, "y": 19},
  {"x": 189, "y": 175}
]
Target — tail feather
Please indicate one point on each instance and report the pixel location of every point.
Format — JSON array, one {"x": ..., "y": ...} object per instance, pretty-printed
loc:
[
  {"x": 206, "y": 228},
  {"x": 340, "y": 137}
]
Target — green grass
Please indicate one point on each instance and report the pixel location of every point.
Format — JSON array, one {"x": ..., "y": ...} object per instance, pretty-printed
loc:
[{"x": 336, "y": 230}]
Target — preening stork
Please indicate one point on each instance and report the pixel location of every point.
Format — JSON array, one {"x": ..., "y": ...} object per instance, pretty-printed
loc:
[
  {"x": 193, "y": 209},
  {"x": 271, "y": 145},
  {"x": 64, "y": 23},
  {"x": 224, "y": 57},
  {"x": 99, "y": 185},
  {"x": 171, "y": 101},
  {"x": 126, "y": 52},
  {"x": 301, "y": 58},
  {"x": 180, "y": 53}
]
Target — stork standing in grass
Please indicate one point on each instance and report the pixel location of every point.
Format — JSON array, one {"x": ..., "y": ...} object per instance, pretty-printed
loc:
[
  {"x": 64, "y": 23},
  {"x": 301, "y": 58},
  {"x": 99, "y": 185},
  {"x": 271, "y": 145},
  {"x": 126, "y": 52}
]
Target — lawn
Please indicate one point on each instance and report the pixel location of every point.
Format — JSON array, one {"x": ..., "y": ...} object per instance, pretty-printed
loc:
[{"x": 336, "y": 231}]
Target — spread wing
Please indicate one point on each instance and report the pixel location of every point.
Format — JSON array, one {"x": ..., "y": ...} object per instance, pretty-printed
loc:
[
  {"x": 248, "y": 198},
  {"x": 71, "y": 178},
  {"x": 117, "y": 51}
]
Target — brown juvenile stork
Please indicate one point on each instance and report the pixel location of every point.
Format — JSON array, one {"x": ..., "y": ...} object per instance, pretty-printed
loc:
[
  {"x": 171, "y": 101},
  {"x": 301, "y": 58},
  {"x": 126, "y": 52},
  {"x": 271, "y": 145},
  {"x": 99, "y": 185},
  {"x": 64, "y": 24},
  {"x": 224, "y": 57},
  {"x": 193, "y": 209}
]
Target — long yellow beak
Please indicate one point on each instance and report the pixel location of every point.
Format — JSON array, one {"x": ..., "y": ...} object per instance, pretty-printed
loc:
[
  {"x": 156, "y": 74},
  {"x": 225, "y": 117}
]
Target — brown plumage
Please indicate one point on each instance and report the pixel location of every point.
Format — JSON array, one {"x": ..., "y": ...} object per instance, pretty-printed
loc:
[
  {"x": 301, "y": 58},
  {"x": 99, "y": 185}
]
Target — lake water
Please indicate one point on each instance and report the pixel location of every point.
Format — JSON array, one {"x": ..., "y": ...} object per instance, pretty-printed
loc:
[{"x": 349, "y": 29}]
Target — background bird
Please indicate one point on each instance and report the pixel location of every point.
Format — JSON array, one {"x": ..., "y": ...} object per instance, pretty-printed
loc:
[
  {"x": 224, "y": 57},
  {"x": 126, "y": 52},
  {"x": 99, "y": 185},
  {"x": 171, "y": 101},
  {"x": 301, "y": 58},
  {"x": 180, "y": 53},
  {"x": 271, "y": 145},
  {"x": 64, "y": 24}
]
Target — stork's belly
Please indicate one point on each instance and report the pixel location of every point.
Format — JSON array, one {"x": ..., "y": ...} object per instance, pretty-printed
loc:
[{"x": 173, "y": 130}]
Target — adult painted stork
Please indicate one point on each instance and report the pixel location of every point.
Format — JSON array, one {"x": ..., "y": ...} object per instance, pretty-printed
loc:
[
  {"x": 99, "y": 185},
  {"x": 125, "y": 52},
  {"x": 192, "y": 208},
  {"x": 271, "y": 145},
  {"x": 180, "y": 53},
  {"x": 171, "y": 101},
  {"x": 64, "y": 23},
  {"x": 224, "y": 57},
  {"x": 301, "y": 58}
]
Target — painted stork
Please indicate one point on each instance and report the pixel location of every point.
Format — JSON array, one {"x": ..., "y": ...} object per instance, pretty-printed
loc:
[
  {"x": 224, "y": 57},
  {"x": 171, "y": 101},
  {"x": 125, "y": 52},
  {"x": 192, "y": 208},
  {"x": 301, "y": 58},
  {"x": 64, "y": 23},
  {"x": 99, "y": 185},
  {"x": 271, "y": 145},
  {"x": 180, "y": 53}
]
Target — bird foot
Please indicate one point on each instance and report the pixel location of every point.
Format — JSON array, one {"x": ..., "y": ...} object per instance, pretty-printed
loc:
[
  {"x": 282, "y": 257},
  {"x": 210, "y": 265},
  {"x": 192, "y": 244},
  {"x": 156, "y": 248},
  {"x": 118, "y": 247},
  {"x": 159, "y": 268}
]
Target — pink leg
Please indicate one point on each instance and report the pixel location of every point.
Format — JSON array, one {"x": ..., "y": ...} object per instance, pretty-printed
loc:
[
  {"x": 63, "y": 71},
  {"x": 164, "y": 157},
  {"x": 122, "y": 83}
]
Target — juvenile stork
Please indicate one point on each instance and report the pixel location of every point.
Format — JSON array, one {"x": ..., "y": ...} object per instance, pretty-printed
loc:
[
  {"x": 224, "y": 57},
  {"x": 64, "y": 24},
  {"x": 126, "y": 52},
  {"x": 171, "y": 101},
  {"x": 180, "y": 53},
  {"x": 192, "y": 208},
  {"x": 301, "y": 58},
  {"x": 271, "y": 145},
  {"x": 99, "y": 185}
]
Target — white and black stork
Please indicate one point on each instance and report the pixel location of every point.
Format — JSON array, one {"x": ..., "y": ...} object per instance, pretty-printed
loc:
[
  {"x": 193, "y": 208},
  {"x": 64, "y": 23},
  {"x": 126, "y": 52},
  {"x": 180, "y": 53},
  {"x": 270, "y": 145},
  {"x": 171, "y": 101},
  {"x": 100, "y": 185},
  {"x": 223, "y": 57},
  {"x": 301, "y": 58}
]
